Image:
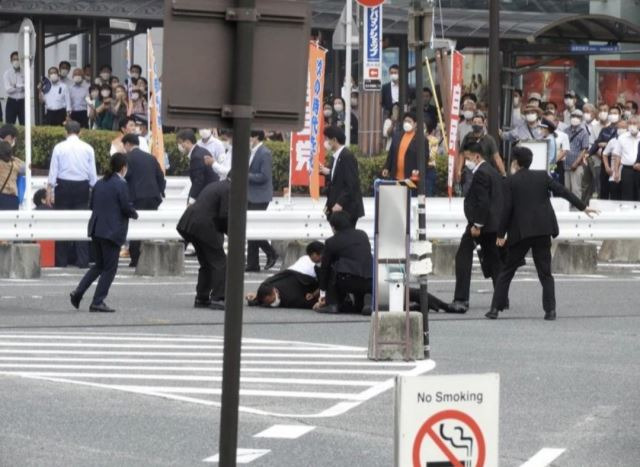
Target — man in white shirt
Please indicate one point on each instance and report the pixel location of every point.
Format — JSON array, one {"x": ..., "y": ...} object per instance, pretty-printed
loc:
[
  {"x": 14, "y": 87},
  {"x": 611, "y": 163},
  {"x": 391, "y": 91},
  {"x": 78, "y": 92},
  {"x": 221, "y": 161},
  {"x": 626, "y": 156},
  {"x": 72, "y": 174},
  {"x": 65, "y": 71},
  {"x": 57, "y": 104}
]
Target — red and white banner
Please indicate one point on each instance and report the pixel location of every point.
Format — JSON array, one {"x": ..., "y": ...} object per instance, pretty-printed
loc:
[
  {"x": 307, "y": 146},
  {"x": 456, "y": 94}
]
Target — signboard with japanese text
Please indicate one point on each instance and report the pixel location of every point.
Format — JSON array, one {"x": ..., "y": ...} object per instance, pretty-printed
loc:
[{"x": 372, "y": 71}]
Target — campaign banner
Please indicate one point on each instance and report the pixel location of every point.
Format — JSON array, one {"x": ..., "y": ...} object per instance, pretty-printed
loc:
[
  {"x": 456, "y": 94},
  {"x": 156, "y": 144},
  {"x": 307, "y": 145},
  {"x": 372, "y": 79}
]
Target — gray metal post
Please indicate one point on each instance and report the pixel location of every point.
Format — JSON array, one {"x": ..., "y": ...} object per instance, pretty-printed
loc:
[
  {"x": 242, "y": 118},
  {"x": 495, "y": 84},
  {"x": 422, "y": 165}
]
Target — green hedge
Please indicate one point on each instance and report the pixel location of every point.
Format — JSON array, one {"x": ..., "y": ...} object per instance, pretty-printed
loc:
[{"x": 45, "y": 138}]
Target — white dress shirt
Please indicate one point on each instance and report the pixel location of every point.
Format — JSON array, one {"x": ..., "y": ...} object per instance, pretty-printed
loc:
[
  {"x": 336, "y": 156},
  {"x": 73, "y": 160},
  {"x": 221, "y": 160},
  {"x": 78, "y": 96},
  {"x": 627, "y": 148},
  {"x": 305, "y": 266},
  {"x": 14, "y": 83},
  {"x": 58, "y": 97},
  {"x": 562, "y": 140},
  {"x": 253, "y": 153},
  {"x": 395, "y": 92}
]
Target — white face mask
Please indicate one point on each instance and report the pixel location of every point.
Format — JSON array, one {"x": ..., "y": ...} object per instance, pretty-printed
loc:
[
  {"x": 181, "y": 148},
  {"x": 276, "y": 302},
  {"x": 328, "y": 113},
  {"x": 94, "y": 94},
  {"x": 135, "y": 96},
  {"x": 602, "y": 116},
  {"x": 575, "y": 121},
  {"x": 338, "y": 108},
  {"x": 614, "y": 118},
  {"x": 468, "y": 114},
  {"x": 531, "y": 117},
  {"x": 588, "y": 117},
  {"x": 205, "y": 133},
  {"x": 105, "y": 93},
  {"x": 135, "y": 75},
  {"x": 633, "y": 129},
  {"x": 394, "y": 77},
  {"x": 64, "y": 72},
  {"x": 568, "y": 102},
  {"x": 77, "y": 79},
  {"x": 16, "y": 64},
  {"x": 621, "y": 131},
  {"x": 516, "y": 101},
  {"x": 54, "y": 78},
  {"x": 327, "y": 145},
  {"x": 627, "y": 114},
  {"x": 471, "y": 165},
  {"x": 407, "y": 127}
]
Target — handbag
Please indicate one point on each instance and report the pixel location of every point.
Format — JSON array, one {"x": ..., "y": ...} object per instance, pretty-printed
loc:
[{"x": 8, "y": 176}]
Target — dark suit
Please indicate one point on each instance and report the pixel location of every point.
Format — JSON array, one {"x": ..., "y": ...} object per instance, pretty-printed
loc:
[
  {"x": 146, "y": 188},
  {"x": 200, "y": 173},
  {"x": 204, "y": 224},
  {"x": 292, "y": 287},
  {"x": 482, "y": 206},
  {"x": 344, "y": 186},
  {"x": 111, "y": 210},
  {"x": 260, "y": 193},
  {"x": 410, "y": 158},
  {"x": 530, "y": 222},
  {"x": 387, "y": 99},
  {"x": 346, "y": 268}
]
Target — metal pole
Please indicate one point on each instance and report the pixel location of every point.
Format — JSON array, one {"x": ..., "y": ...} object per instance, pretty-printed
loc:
[
  {"x": 422, "y": 165},
  {"x": 26, "y": 38},
  {"x": 94, "y": 48},
  {"x": 242, "y": 118},
  {"x": 495, "y": 84},
  {"x": 347, "y": 73}
]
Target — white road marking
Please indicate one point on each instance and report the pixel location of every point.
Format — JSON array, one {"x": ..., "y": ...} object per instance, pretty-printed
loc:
[
  {"x": 161, "y": 346},
  {"x": 174, "y": 354},
  {"x": 243, "y": 456},
  {"x": 544, "y": 457},
  {"x": 285, "y": 431}
]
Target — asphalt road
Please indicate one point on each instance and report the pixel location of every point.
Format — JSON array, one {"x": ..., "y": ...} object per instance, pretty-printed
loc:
[{"x": 141, "y": 387}]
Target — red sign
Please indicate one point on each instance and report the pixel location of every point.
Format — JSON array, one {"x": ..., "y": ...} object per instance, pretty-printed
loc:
[
  {"x": 456, "y": 94},
  {"x": 370, "y": 3}
]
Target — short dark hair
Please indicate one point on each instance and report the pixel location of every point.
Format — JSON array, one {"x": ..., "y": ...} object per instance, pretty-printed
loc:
[
  {"x": 523, "y": 155},
  {"x": 6, "y": 151},
  {"x": 131, "y": 139},
  {"x": 186, "y": 134},
  {"x": 394, "y": 67},
  {"x": 315, "y": 247},
  {"x": 8, "y": 130},
  {"x": 411, "y": 115},
  {"x": 473, "y": 147},
  {"x": 116, "y": 163},
  {"x": 138, "y": 67},
  {"x": 263, "y": 292},
  {"x": 634, "y": 105},
  {"x": 125, "y": 121},
  {"x": 258, "y": 134},
  {"x": 15, "y": 52},
  {"x": 333, "y": 132},
  {"x": 518, "y": 92},
  {"x": 469, "y": 95},
  {"x": 72, "y": 127},
  {"x": 546, "y": 106},
  {"x": 64, "y": 63},
  {"x": 340, "y": 221},
  {"x": 108, "y": 67},
  {"x": 39, "y": 197},
  {"x": 427, "y": 89}
]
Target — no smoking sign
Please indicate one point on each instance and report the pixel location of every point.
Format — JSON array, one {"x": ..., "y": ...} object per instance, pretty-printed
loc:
[{"x": 447, "y": 421}]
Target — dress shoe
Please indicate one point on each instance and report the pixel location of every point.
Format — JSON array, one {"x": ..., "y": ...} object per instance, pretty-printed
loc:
[
  {"x": 199, "y": 303},
  {"x": 133, "y": 265},
  {"x": 456, "y": 307},
  {"x": 493, "y": 313},
  {"x": 366, "y": 311},
  {"x": 329, "y": 309},
  {"x": 550, "y": 315},
  {"x": 248, "y": 269},
  {"x": 216, "y": 305},
  {"x": 75, "y": 298},
  {"x": 271, "y": 262},
  {"x": 101, "y": 308}
]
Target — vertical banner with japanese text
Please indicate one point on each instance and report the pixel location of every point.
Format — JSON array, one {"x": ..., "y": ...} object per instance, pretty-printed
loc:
[
  {"x": 372, "y": 79},
  {"x": 456, "y": 94},
  {"x": 156, "y": 145},
  {"x": 307, "y": 145}
]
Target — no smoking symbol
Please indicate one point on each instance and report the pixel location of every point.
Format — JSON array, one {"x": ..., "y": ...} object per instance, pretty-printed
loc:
[{"x": 465, "y": 436}]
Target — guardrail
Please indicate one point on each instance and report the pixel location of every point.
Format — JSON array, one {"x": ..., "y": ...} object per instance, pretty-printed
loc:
[{"x": 294, "y": 225}]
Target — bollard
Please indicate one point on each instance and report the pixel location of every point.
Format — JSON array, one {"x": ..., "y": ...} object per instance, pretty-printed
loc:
[
  {"x": 20, "y": 260},
  {"x": 158, "y": 258}
]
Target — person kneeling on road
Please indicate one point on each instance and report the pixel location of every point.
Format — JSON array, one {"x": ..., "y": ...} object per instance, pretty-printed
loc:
[
  {"x": 295, "y": 287},
  {"x": 346, "y": 268}
]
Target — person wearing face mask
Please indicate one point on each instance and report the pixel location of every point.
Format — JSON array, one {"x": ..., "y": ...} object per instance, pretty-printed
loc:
[
  {"x": 596, "y": 152},
  {"x": 528, "y": 130},
  {"x": 119, "y": 106},
  {"x": 92, "y": 102},
  {"x": 78, "y": 93},
  {"x": 611, "y": 163},
  {"x": 57, "y": 104},
  {"x": 591, "y": 178},
  {"x": 343, "y": 178},
  {"x": 465, "y": 125},
  {"x": 535, "y": 99},
  {"x": 516, "y": 108},
  {"x": 65, "y": 72},
  {"x": 327, "y": 112},
  {"x": 562, "y": 146},
  {"x": 630, "y": 110},
  {"x": 392, "y": 125},
  {"x": 570, "y": 100},
  {"x": 138, "y": 103},
  {"x": 259, "y": 196},
  {"x": 575, "y": 160},
  {"x": 86, "y": 72},
  {"x": 628, "y": 161},
  {"x": 134, "y": 73},
  {"x": 200, "y": 173},
  {"x": 490, "y": 152},
  {"x": 391, "y": 91},
  {"x": 9, "y": 134},
  {"x": 402, "y": 159},
  {"x": 104, "y": 77},
  {"x": 221, "y": 162},
  {"x": 111, "y": 210},
  {"x": 339, "y": 112},
  {"x": 483, "y": 205},
  {"x": 14, "y": 87},
  {"x": 104, "y": 117},
  {"x": 10, "y": 168}
]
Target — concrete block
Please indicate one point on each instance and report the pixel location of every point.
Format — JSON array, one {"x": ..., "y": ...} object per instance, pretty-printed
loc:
[
  {"x": 391, "y": 327},
  {"x": 443, "y": 258},
  {"x": 575, "y": 258},
  {"x": 620, "y": 251},
  {"x": 20, "y": 260},
  {"x": 159, "y": 258}
]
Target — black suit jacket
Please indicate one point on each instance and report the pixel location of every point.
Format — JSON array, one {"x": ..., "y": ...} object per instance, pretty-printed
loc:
[
  {"x": 410, "y": 159},
  {"x": 528, "y": 211},
  {"x": 293, "y": 287},
  {"x": 387, "y": 100},
  {"x": 199, "y": 173},
  {"x": 484, "y": 202},
  {"x": 144, "y": 176},
  {"x": 348, "y": 251},
  {"x": 206, "y": 219},
  {"x": 344, "y": 186},
  {"x": 111, "y": 210}
]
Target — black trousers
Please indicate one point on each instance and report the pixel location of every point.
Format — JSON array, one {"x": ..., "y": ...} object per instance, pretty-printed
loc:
[
  {"x": 434, "y": 303},
  {"x": 81, "y": 117},
  {"x": 143, "y": 204},
  {"x": 14, "y": 111},
  {"x": 541, "y": 250},
  {"x": 254, "y": 246},
  {"x": 629, "y": 184},
  {"x": 341, "y": 284},
  {"x": 105, "y": 267},
  {"x": 55, "y": 117},
  {"x": 72, "y": 196},
  {"x": 605, "y": 184},
  {"x": 213, "y": 268},
  {"x": 464, "y": 261}
]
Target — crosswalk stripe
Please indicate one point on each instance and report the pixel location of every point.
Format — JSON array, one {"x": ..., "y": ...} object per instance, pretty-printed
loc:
[
  {"x": 158, "y": 346},
  {"x": 168, "y": 354}
]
